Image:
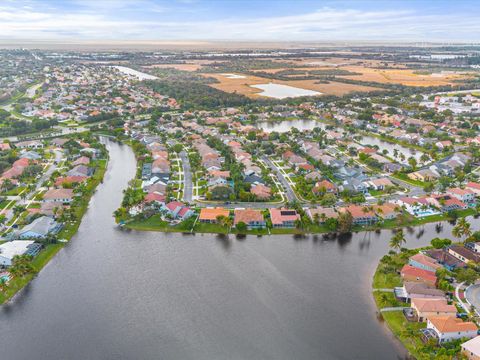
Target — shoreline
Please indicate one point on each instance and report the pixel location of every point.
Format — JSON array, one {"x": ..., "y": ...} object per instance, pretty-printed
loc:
[
  {"x": 156, "y": 225},
  {"x": 16, "y": 284}
]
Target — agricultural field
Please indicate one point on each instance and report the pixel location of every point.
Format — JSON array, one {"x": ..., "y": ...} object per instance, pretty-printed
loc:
[
  {"x": 242, "y": 84},
  {"x": 406, "y": 77}
]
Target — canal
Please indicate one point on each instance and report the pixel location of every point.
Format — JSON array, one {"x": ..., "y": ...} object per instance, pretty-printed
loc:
[{"x": 116, "y": 294}]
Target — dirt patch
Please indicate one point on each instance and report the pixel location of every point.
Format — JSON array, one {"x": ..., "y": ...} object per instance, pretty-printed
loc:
[{"x": 402, "y": 76}]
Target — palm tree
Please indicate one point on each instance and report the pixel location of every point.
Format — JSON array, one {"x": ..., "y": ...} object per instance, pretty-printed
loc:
[
  {"x": 3, "y": 284},
  {"x": 462, "y": 229},
  {"x": 397, "y": 240}
]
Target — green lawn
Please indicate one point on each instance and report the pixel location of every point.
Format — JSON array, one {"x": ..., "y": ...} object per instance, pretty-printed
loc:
[{"x": 407, "y": 332}]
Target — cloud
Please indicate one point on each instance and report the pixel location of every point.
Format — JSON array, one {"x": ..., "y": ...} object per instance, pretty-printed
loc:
[{"x": 126, "y": 20}]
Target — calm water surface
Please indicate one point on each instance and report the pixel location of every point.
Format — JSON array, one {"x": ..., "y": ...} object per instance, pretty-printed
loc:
[{"x": 113, "y": 294}]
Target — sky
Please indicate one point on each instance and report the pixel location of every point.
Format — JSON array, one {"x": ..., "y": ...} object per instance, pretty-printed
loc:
[{"x": 273, "y": 20}]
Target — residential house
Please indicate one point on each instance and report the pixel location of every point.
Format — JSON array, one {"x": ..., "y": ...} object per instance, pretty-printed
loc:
[
  {"x": 210, "y": 215},
  {"x": 325, "y": 186},
  {"x": 422, "y": 261},
  {"x": 59, "y": 195},
  {"x": 387, "y": 211},
  {"x": 464, "y": 254},
  {"x": 38, "y": 229},
  {"x": 427, "y": 308},
  {"x": 448, "y": 328},
  {"x": 30, "y": 144},
  {"x": 414, "y": 289},
  {"x": 252, "y": 218},
  {"x": 465, "y": 195},
  {"x": 81, "y": 170},
  {"x": 10, "y": 249},
  {"x": 410, "y": 273},
  {"x": 471, "y": 349},
  {"x": 322, "y": 214},
  {"x": 446, "y": 202},
  {"x": 262, "y": 192},
  {"x": 446, "y": 259},
  {"x": 284, "y": 218},
  {"x": 362, "y": 215},
  {"x": 176, "y": 209},
  {"x": 473, "y": 186},
  {"x": 70, "y": 180}
]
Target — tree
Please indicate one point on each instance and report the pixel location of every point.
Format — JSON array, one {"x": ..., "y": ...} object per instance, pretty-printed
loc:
[
  {"x": 462, "y": 229},
  {"x": 468, "y": 275},
  {"x": 412, "y": 162},
  {"x": 397, "y": 240},
  {"x": 177, "y": 148},
  {"x": 22, "y": 265},
  {"x": 331, "y": 224},
  {"x": 345, "y": 222},
  {"x": 438, "y": 243},
  {"x": 241, "y": 227}
]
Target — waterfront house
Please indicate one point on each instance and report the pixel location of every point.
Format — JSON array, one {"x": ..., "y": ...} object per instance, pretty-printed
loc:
[
  {"x": 155, "y": 198},
  {"x": 10, "y": 249},
  {"x": 362, "y": 215},
  {"x": 252, "y": 218},
  {"x": 414, "y": 289},
  {"x": 80, "y": 170},
  {"x": 464, "y": 254},
  {"x": 473, "y": 186},
  {"x": 464, "y": 195},
  {"x": 446, "y": 203},
  {"x": 284, "y": 218},
  {"x": 471, "y": 348},
  {"x": 322, "y": 214},
  {"x": 177, "y": 210},
  {"x": 422, "y": 261},
  {"x": 443, "y": 257},
  {"x": 387, "y": 211},
  {"x": 210, "y": 215},
  {"x": 70, "y": 180},
  {"x": 410, "y": 273},
  {"x": 38, "y": 229},
  {"x": 426, "y": 308},
  {"x": 58, "y": 195},
  {"x": 448, "y": 328}
]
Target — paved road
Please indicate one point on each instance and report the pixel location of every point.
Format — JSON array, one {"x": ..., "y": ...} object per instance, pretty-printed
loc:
[
  {"x": 187, "y": 181},
  {"x": 472, "y": 294},
  {"x": 291, "y": 196}
]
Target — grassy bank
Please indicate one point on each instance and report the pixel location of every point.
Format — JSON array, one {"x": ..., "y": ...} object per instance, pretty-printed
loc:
[
  {"x": 154, "y": 223},
  {"x": 408, "y": 333}
]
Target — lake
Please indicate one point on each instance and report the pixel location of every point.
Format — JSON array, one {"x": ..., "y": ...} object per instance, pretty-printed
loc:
[
  {"x": 118, "y": 294},
  {"x": 279, "y": 91},
  {"x": 138, "y": 74}
]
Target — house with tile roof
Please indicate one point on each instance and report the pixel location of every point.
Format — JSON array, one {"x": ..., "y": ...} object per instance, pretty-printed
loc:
[
  {"x": 252, "y": 218},
  {"x": 426, "y": 308},
  {"x": 448, "y": 328},
  {"x": 210, "y": 215},
  {"x": 410, "y": 273},
  {"x": 283, "y": 218}
]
